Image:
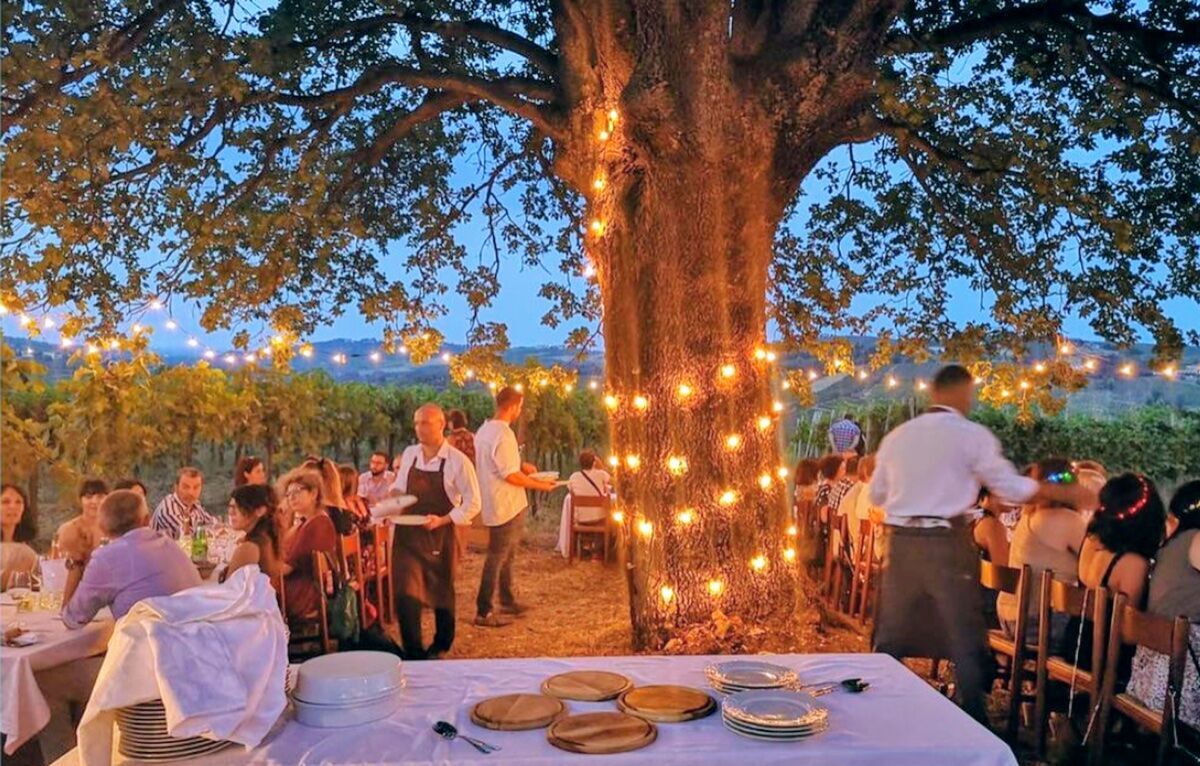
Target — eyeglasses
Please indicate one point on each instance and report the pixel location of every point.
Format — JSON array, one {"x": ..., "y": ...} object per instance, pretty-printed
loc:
[{"x": 294, "y": 491}]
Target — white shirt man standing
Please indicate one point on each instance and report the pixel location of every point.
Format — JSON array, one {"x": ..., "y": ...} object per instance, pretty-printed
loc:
[
  {"x": 376, "y": 482},
  {"x": 928, "y": 473},
  {"x": 503, "y": 479},
  {"x": 425, "y": 559}
]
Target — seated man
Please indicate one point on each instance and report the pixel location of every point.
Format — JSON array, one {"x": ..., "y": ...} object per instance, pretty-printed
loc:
[{"x": 136, "y": 563}]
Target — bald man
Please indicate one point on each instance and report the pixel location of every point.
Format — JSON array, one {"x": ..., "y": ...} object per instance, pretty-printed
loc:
[{"x": 425, "y": 558}]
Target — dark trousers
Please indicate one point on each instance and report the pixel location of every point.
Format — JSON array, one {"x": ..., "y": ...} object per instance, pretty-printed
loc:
[
  {"x": 497, "y": 568},
  {"x": 930, "y": 606},
  {"x": 408, "y": 614}
]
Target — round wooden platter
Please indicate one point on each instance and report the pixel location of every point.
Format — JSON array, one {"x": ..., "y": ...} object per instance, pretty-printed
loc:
[
  {"x": 666, "y": 703},
  {"x": 517, "y": 712},
  {"x": 586, "y": 685},
  {"x": 601, "y": 733}
]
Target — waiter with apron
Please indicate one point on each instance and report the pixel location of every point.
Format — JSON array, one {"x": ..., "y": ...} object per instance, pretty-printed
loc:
[
  {"x": 425, "y": 557},
  {"x": 928, "y": 473}
]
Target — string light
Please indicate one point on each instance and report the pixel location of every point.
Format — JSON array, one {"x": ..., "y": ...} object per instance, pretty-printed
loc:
[
  {"x": 375, "y": 357},
  {"x": 114, "y": 344},
  {"x": 862, "y": 374},
  {"x": 210, "y": 354},
  {"x": 613, "y": 115},
  {"x": 765, "y": 481},
  {"x": 596, "y": 226},
  {"x": 137, "y": 329},
  {"x": 733, "y": 442},
  {"x": 48, "y": 323},
  {"x": 1169, "y": 372},
  {"x": 684, "y": 391},
  {"x": 728, "y": 371},
  {"x": 614, "y": 461},
  {"x": 306, "y": 351},
  {"x": 230, "y": 359},
  {"x": 156, "y": 305},
  {"x": 611, "y": 402},
  {"x": 776, "y": 407},
  {"x": 640, "y": 402},
  {"x": 171, "y": 324},
  {"x": 593, "y": 385},
  {"x": 589, "y": 271},
  {"x": 1039, "y": 367},
  {"x": 92, "y": 348},
  {"x": 1066, "y": 349},
  {"x": 568, "y": 388},
  {"x": 716, "y": 587},
  {"x": 618, "y": 516},
  {"x": 792, "y": 531},
  {"x": 446, "y": 357},
  {"x": 1024, "y": 385},
  {"x": 633, "y": 462},
  {"x": 599, "y": 183},
  {"x": 786, "y": 385},
  {"x": 518, "y": 387},
  {"x": 1089, "y": 365},
  {"x": 892, "y": 382},
  {"x": 3, "y": 310},
  {"x": 812, "y": 375},
  {"x": 921, "y": 385},
  {"x": 758, "y": 563},
  {"x": 645, "y": 528},
  {"x": 25, "y": 320},
  {"x": 772, "y": 356},
  {"x": 192, "y": 342},
  {"x": 781, "y": 472},
  {"x": 789, "y": 555},
  {"x": 492, "y": 386},
  {"x": 728, "y": 497},
  {"x": 677, "y": 465},
  {"x": 686, "y": 516},
  {"x": 667, "y": 593},
  {"x": 763, "y": 422},
  {"x": 760, "y": 354},
  {"x": 66, "y": 342},
  {"x": 603, "y": 135},
  {"x": 250, "y": 358},
  {"x": 1126, "y": 370}
]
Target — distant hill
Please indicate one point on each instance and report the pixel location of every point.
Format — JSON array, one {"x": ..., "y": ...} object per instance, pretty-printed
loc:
[{"x": 1109, "y": 390}]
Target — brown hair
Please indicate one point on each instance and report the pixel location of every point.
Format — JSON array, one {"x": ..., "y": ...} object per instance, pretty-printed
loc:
[
  {"x": 122, "y": 511},
  {"x": 190, "y": 472},
  {"x": 457, "y": 418},
  {"x": 331, "y": 480},
  {"x": 249, "y": 498},
  {"x": 349, "y": 476},
  {"x": 245, "y": 465},
  {"x": 807, "y": 471},
  {"x": 587, "y": 460},
  {"x": 866, "y": 467},
  {"x": 829, "y": 466},
  {"x": 508, "y": 396},
  {"x": 306, "y": 477}
]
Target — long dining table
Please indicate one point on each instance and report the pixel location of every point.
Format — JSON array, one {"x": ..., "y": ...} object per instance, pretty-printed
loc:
[
  {"x": 24, "y": 709},
  {"x": 900, "y": 720}
]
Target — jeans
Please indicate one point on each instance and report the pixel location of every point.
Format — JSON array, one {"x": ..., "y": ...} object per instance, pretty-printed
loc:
[{"x": 502, "y": 549}]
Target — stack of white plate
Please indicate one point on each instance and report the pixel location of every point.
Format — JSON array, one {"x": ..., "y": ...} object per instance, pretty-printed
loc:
[
  {"x": 144, "y": 736},
  {"x": 774, "y": 715},
  {"x": 347, "y": 689},
  {"x": 741, "y": 675}
]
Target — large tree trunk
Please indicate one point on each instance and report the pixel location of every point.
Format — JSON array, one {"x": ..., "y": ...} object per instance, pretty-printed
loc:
[{"x": 684, "y": 285}]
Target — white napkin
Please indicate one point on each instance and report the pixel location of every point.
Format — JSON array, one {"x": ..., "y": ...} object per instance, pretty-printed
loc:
[{"x": 216, "y": 655}]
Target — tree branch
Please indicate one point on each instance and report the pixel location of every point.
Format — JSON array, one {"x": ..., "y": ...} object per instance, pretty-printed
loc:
[
  {"x": 481, "y": 31},
  {"x": 908, "y": 136},
  {"x": 508, "y": 93}
]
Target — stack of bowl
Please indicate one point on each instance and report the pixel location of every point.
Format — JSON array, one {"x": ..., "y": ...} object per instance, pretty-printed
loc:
[{"x": 347, "y": 689}]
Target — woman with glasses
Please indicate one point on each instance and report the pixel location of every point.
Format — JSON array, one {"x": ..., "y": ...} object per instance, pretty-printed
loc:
[{"x": 313, "y": 532}]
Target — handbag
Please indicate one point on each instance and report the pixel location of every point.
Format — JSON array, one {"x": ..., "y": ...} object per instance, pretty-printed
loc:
[{"x": 342, "y": 607}]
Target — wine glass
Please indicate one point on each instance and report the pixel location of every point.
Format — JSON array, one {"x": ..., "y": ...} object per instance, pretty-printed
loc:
[{"x": 20, "y": 587}]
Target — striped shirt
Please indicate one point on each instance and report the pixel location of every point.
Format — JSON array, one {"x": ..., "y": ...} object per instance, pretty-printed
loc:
[{"x": 171, "y": 512}]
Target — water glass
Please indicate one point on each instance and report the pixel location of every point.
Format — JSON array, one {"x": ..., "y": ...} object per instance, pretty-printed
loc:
[{"x": 20, "y": 587}]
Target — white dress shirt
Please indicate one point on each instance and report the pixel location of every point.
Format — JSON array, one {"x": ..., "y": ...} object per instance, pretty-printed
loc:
[
  {"x": 935, "y": 464},
  {"x": 497, "y": 457},
  {"x": 578, "y": 483},
  {"x": 458, "y": 478},
  {"x": 374, "y": 488}
]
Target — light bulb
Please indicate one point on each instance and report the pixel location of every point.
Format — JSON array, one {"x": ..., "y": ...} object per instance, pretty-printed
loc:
[
  {"x": 492, "y": 386},
  {"x": 611, "y": 402},
  {"x": 733, "y": 441},
  {"x": 1039, "y": 367},
  {"x": 114, "y": 344},
  {"x": 614, "y": 461},
  {"x": 686, "y": 516},
  {"x": 25, "y": 320},
  {"x": 306, "y": 351},
  {"x": 230, "y": 359},
  {"x": 210, "y": 354},
  {"x": 677, "y": 465},
  {"x": 645, "y": 528},
  {"x": 758, "y": 563},
  {"x": 728, "y": 497},
  {"x": 765, "y": 481},
  {"x": 568, "y": 388},
  {"x": 1126, "y": 370},
  {"x": 772, "y": 356},
  {"x": 156, "y": 304},
  {"x": 728, "y": 371},
  {"x": 763, "y": 422},
  {"x": 640, "y": 402},
  {"x": 792, "y": 531},
  {"x": 137, "y": 328},
  {"x": 618, "y": 516},
  {"x": 892, "y": 382},
  {"x": 1066, "y": 349},
  {"x": 760, "y": 354},
  {"x": 66, "y": 343},
  {"x": 1024, "y": 384},
  {"x": 781, "y": 472},
  {"x": 862, "y": 374},
  {"x": 469, "y": 374},
  {"x": 1090, "y": 364},
  {"x": 813, "y": 375},
  {"x": 716, "y": 587},
  {"x": 92, "y": 348},
  {"x": 667, "y": 594},
  {"x": 171, "y": 324},
  {"x": 685, "y": 391},
  {"x": 593, "y": 385},
  {"x": 446, "y": 356},
  {"x": 1169, "y": 372},
  {"x": 633, "y": 462},
  {"x": 786, "y": 385},
  {"x": 598, "y": 184},
  {"x": 789, "y": 554},
  {"x": 375, "y": 357},
  {"x": 518, "y": 387},
  {"x": 48, "y": 323},
  {"x": 192, "y": 342},
  {"x": 776, "y": 407},
  {"x": 613, "y": 115},
  {"x": 921, "y": 385},
  {"x": 249, "y": 357}
]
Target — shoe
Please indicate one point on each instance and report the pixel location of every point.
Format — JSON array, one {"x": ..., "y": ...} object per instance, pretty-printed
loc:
[
  {"x": 492, "y": 620},
  {"x": 516, "y": 610}
]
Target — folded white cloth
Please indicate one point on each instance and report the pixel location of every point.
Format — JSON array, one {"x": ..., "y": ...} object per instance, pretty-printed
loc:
[{"x": 216, "y": 655}]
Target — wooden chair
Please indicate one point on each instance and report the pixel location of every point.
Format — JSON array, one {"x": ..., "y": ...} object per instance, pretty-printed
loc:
[
  {"x": 1074, "y": 601},
  {"x": 1160, "y": 634},
  {"x": 577, "y": 529},
  {"x": 350, "y": 551},
  {"x": 308, "y": 635},
  {"x": 837, "y": 561},
  {"x": 1017, "y": 583},
  {"x": 385, "y": 599},
  {"x": 866, "y": 571}
]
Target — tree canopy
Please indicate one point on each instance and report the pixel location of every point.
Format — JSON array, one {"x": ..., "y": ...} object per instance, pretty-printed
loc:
[{"x": 279, "y": 163}]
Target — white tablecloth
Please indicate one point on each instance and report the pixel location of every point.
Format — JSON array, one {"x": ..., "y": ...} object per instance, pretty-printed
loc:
[
  {"x": 899, "y": 721},
  {"x": 23, "y": 708}
]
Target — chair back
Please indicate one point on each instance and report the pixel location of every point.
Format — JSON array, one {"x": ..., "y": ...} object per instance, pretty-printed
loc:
[
  {"x": 1165, "y": 635},
  {"x": 350, "y": 554},
  {"x": 1001, "y": 578},
  {"x": 595, "y": 509},
  {"x": 323, "y": 572}
]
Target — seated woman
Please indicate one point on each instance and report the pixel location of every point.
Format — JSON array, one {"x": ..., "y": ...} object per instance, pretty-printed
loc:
[
  {"x": 249, "y": 470},
  {"x": 331, "y": 493},
  {"x": 1175, "y": 591},
  {"x": 1123, "y": 536},
  {"x": 589, "y": 481},
  {"x": 314, "y": 533},
  {"x": 1047, "y": 537},
  {"x": 355, "y": 505},
  {"x": 991, "y": 538},
  {"x": 252, "y": 511},
  {"x": 81, "y": 535},
  {"x": 807, "y": 472},
  {"x": 18, "y": 531}
]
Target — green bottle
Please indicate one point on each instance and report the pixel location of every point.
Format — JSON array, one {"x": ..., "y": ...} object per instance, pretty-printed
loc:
[{"x": 200, "y": 544}]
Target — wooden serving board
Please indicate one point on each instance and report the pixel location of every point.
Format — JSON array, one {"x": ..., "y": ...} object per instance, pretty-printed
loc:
[
  {"x": 666, "y": 703},
  {"x": 586, "y": 685},
  {"x": 517, "y": 712},
  {"x": 601, "y": 733}
]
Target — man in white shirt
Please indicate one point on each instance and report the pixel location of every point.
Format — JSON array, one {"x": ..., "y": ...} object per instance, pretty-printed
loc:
[
  {"x": 503, "y": 479},
  {"x": 376, "y": 482},
  {"x": 425, "y": 559},
  {"x": 928, "y": 473}
]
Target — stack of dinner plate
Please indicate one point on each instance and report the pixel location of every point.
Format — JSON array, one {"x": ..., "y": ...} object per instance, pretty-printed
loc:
[
  {"x": 144, "y": 736},
  {"x": 774, "y": 715},
  {"x": 347, "y": 689},
  {"x": 742, "y": 675}
]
